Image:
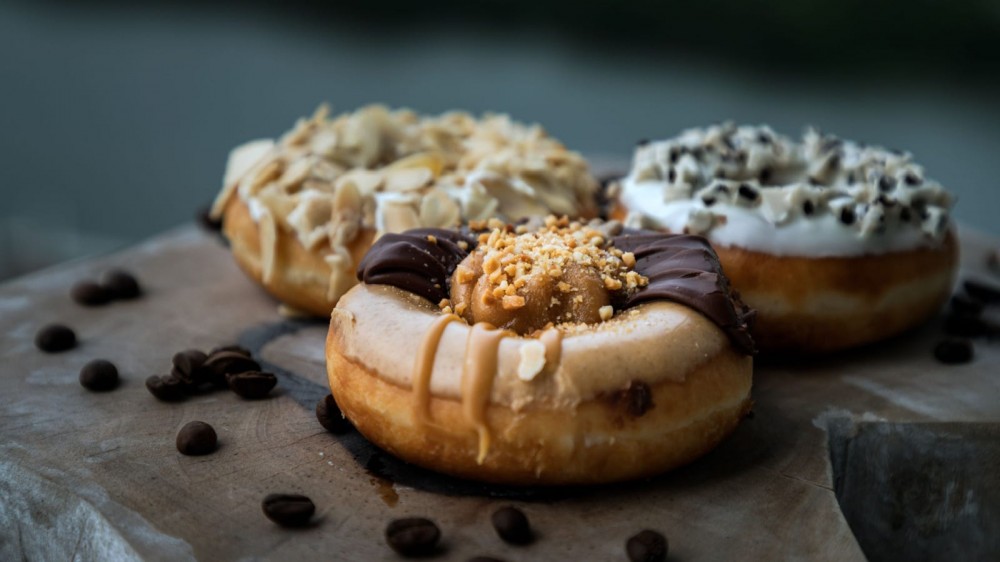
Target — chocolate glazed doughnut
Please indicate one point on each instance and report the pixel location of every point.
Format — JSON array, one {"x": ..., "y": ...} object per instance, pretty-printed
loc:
[{"x": 560, "y": 353}]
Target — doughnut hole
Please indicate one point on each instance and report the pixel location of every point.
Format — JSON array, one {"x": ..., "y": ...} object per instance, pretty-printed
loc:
[{"x": 575, "y": 296}]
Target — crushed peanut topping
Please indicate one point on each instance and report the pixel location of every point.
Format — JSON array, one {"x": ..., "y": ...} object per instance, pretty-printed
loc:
[{"x": 523, "y": 278}]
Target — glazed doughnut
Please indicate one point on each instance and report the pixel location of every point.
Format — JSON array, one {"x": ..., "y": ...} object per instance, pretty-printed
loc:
[
  {"x": 551, "y": 354},
  {"x": 300, "y": 212},
  {"x": 834, "y": 243}
]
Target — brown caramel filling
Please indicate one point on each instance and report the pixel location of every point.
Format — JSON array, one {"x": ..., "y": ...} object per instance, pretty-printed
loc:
[{"x": 526, "y": 281}]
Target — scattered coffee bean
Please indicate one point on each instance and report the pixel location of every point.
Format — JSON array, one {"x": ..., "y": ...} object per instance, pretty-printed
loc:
[
  {"x": 982, "y": 292},
  {"x": 330, "y": 417},
  {"x": 55, "y": 338},
  {"x": 224, "y": 363},
  {"x": 413, "y": 536},
  {"x": 288, "y": 510},
  {"x": 234, "y": 348},
  {"x": 512, "y": 525},
  {"x": 953, "y": 351},
  {"x": 209, "y": 223},
  {"x": 89, "y": 293},
  {"x": 121, "y": 284},
  {"x": 252, "y": 385},
  {"x": 966, "y": 305},
  {"x": 166, "y": 388},
  {"x": 99, "y": 375},
  {"x": 965, "y": 325},
  {"x": 197, "y": 438},
  {"x": 189, "y": 368},
  {"x": 647, "y": 546}
]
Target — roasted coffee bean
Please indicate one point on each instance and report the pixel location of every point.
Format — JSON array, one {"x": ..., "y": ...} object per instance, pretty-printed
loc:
[
  {"x": 234, "y": 348},
  {"x": 330, "y": 417},
  {"x": 647, "y": 546},
  {"x": 982, "y": 292},
  {"x": 288, "y": 510},
  {"x": 166, "y": 387},
  {"x": 189, "y": 367},
  {"x": 252, "y": 385},
  {"x": 953, "y": 351},
  {"x": 966, "y": 305},
  {"x": 223, "y": 363},
  {"x": 197, "y": 438},
  {"x": 55, "y": 338},
  {"x": 965, "y": 325},
  {"x": 99, "y": 375},
  {"x": 512, "y": 525},
  {"x": 413, "y": 536},
  {"x": 89, "y": 293},
  {"x": 121, "y": 284}
]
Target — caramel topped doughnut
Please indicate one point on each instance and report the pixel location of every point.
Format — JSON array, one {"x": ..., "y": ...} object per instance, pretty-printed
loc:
[
  {"x": 822, "y": 236},
  {"x": 302, "y": 210},
  {"x": 592, "y": 374}
]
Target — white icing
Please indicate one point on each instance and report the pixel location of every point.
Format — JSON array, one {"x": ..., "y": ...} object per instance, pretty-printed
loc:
[{"x": 818, "y": 197}]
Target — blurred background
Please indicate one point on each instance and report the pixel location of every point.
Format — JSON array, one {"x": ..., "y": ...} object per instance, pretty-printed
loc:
[{"x": 116, "y": 117}]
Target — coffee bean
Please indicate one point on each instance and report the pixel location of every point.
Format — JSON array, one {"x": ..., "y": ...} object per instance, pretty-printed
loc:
[
  {"x": 288, "y": 510},
  {"x": 965, "y": 325},
  {"x": 99, "y": 375},
  {"x": 647, "y": 546},
  {"x": 234, "y": 348},
  {"x": 197, "y": 438},
  {"x": 55, "y": 338},
  {"x": 166, "y": 387},
  {"x": 252, "y": 385},
  {"x": 330, "y": 416},
  {"x": 224, "y": 363},
  {"x": 89, "y": 293},
  {"x": 982, "y": 292},
  {"x": 413, "y": 536},
  {"x": 189, "y": 367},
  {"x": 966, "y": 305},
  {"x": 121, "y": 284},
  {"x": 953, "y": 351},
  {"x": 512, "y": 525}
]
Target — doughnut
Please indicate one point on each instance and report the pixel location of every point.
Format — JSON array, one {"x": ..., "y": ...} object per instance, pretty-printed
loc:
[
  {"x": 834, "y": 243},
  {"x": 553, "y": 353},
  {"x": 300, "y": 212}
]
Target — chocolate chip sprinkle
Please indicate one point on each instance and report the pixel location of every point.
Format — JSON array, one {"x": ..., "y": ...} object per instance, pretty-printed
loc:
[
  {"x": 647, "y": 546},
  {"x": 708, "y": 200},
  {"x": 747, "y": 192},
  {"x": 808, "y": 208},
  {"x": 672, "y": 175},
  {"x": 886, "y": 183},
  {"x": 413, "y": 536},
  {"x": 99, "y": 376},
  {"x": 511, "y": 525},
  {"x": 765, "y": 175},
  {"x": 912, "y": 179},
  {"x": 847, "y": 215}
]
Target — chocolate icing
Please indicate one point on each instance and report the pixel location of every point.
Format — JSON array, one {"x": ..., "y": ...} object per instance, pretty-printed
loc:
[
  {"x": 680, "y": 268},
  {"x": 411, "y": 262},
  {"x": 685, "y": 269}
]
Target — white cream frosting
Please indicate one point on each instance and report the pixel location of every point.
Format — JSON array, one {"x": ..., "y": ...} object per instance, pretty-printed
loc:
[{"x": 752, "y": 188}]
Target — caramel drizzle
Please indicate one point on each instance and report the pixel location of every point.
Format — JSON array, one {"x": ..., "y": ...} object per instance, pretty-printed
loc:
[
  {"x": 478, "y": 372},
  {"x": 552, "y": 340},
  {"x": 479, "y": 369},
  {"x": 423, "y": 366}
]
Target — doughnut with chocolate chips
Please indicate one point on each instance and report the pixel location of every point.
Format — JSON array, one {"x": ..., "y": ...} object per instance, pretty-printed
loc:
[
  {"x": 300, "y": 212},
  {"x": 834, "y": 243},
  {"x": 548, "y": 353}
]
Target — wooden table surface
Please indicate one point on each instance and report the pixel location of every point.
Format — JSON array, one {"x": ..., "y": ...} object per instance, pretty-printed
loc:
[{"x": 96, "y": 476}]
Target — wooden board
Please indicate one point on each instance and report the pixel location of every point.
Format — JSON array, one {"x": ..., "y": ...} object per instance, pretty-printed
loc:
[{"x": 97, "y": 476}]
